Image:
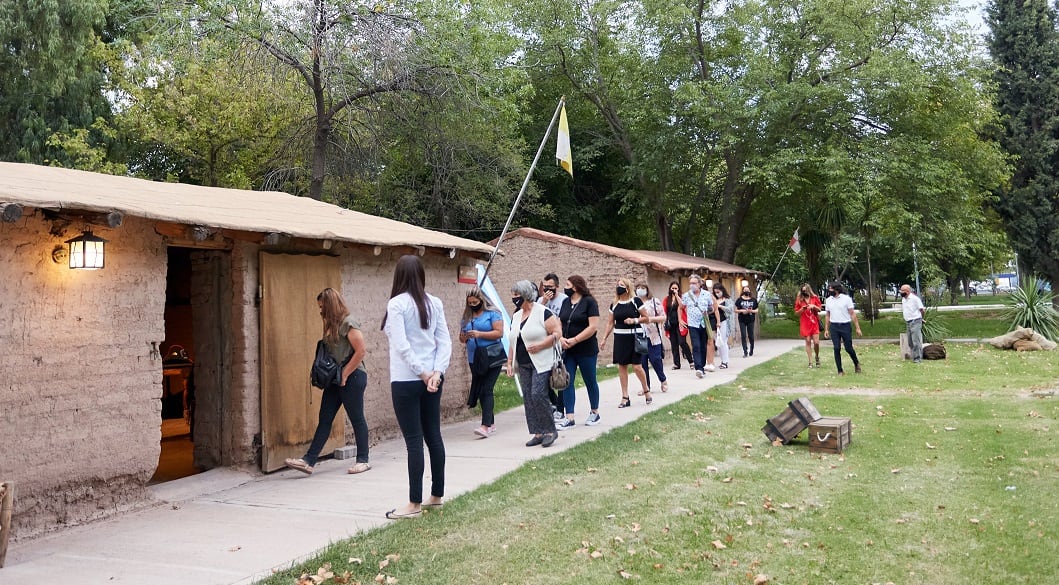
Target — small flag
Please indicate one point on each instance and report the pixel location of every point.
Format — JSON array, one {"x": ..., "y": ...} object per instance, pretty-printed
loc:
[
  {"x": 795, "y": 243},
  {"x": 562, "y": 146}
]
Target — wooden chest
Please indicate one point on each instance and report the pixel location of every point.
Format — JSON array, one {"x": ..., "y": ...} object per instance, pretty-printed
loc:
[
  {"x": 830, "y": 434},
  {"x": 788, "y": 424}
]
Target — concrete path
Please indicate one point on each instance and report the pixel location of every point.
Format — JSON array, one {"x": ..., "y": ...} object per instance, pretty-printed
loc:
[{"x": 226, "y": 526}]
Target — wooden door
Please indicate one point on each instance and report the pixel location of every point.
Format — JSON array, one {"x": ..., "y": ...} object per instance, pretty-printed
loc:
[{"x": 290, "y": 328}]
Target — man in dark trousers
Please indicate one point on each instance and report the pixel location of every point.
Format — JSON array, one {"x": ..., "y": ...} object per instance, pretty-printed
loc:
[{"x": 746, "y": 307}]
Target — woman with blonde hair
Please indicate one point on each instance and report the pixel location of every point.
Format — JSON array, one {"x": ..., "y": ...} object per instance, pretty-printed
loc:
[
  {"x": 481, "y": 328},
  {"x": 534, "y": 332},
  {"x": 627, "y": 313},
  {"x": 341, "y": 334}
]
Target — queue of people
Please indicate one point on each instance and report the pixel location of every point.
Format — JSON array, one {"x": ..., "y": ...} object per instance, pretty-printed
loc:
[{"x": 550, "y": 328}]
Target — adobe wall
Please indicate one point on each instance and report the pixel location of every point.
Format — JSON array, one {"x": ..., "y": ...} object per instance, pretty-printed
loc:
[{"x": 81, "y": 374}]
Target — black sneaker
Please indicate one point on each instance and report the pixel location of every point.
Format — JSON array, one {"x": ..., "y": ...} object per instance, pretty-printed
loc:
[{"x": 592, "y": 420}]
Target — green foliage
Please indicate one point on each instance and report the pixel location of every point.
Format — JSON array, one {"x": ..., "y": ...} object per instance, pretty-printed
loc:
[
  {"x": 869, "y": 310},
  {"x": 1032, "y": 306},
  {"x": 1025, "y": 46},
  {"x": 788, "y": 293},
  {"x": 935, "y": 327}
]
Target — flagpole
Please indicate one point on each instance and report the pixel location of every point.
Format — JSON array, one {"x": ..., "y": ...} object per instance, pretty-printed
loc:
[
  {"x": 525, "y": 185},
  {"x": 773, "y": 275}
]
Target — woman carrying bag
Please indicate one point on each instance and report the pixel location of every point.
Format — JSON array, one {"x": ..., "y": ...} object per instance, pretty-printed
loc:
[
  {"x": 345, "y": 342},
  {"x": 534, "y": 333},
  {"x": 481, "y": 329}
]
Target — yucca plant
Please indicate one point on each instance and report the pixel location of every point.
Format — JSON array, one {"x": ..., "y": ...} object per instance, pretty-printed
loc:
[
  {"x": 1031, "y": 306},
  {"x": 934, "y": 328}
]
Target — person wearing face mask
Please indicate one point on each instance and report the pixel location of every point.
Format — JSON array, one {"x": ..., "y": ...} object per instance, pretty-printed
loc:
[
  {"x": 746, "y": 307},
  {"x": 626, "y": 314},
  {"x": 553, "y": 299},
  {"x": 698, "y": 305},
  {"x": 676, "y": 327},
  {"x": 580, "y": 319},
  {"x": 914, "y": 311},
  {"x": 723, "y": 309},
  {"x": 534, "y": 332},
  {"x": 480, "y": 328},
  {"x": 807, "y": 305},
  {"x": 656, "y": 354},
  {"x": 839, "y": 316}
]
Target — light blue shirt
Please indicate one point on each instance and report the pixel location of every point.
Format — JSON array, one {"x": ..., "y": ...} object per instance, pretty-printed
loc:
[
  {"x": 697, "y": 306},
  {"x": 414, "y": 350}
]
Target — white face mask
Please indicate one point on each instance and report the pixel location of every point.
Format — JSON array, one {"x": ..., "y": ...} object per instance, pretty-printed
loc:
[
  {"x": 641, "y": 292},
  {"x": 694, "y": 288}
]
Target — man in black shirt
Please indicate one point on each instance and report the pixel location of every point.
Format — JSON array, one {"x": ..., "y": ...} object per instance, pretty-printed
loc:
[{"x": 746, "y": 307}]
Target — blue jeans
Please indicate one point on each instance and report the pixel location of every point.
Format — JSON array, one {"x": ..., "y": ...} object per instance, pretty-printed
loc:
[
  {"x": 587, "y": 364},
  {"x": 654, "y": 357},
  {"x": 419, "y": 416},
  {"x": 352, "y": 397},
  {"x": 699, "y": 339},
  {"x": 842, "y": 336}
]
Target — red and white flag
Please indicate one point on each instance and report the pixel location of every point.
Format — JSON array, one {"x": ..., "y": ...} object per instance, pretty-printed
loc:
[{"x": 795, "y": 243}]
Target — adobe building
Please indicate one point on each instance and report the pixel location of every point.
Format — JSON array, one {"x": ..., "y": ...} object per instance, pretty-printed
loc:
[
  {"x": 529, "y": 254},
  {"x": 190, "y": 348}
]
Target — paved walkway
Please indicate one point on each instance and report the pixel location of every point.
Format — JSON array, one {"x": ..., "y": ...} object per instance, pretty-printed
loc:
[{"x": 227, "y": 526}]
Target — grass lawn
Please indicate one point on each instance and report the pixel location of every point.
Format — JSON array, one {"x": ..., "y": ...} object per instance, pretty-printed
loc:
[
  {"x": 950, "y": 479},
  {"x": 977, "y": 324}
]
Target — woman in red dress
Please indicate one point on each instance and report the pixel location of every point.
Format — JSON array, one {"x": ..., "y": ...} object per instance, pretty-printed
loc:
[{"x": 807, "y": 306}]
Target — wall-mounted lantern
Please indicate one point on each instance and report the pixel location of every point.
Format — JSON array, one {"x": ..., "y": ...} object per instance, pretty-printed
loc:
[
  {"x": 745, "y": 282},
  {"x": 86, "y": 251},
  {"x": 709, "y": 283}
]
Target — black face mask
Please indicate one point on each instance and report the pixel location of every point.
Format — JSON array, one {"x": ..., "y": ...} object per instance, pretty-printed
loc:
[
  {"x": 833, "y": 293},
  {"x": 474, "y": 306},
  {"x": 620, "y": 290},
  {"x": 904, "y": 294},
  {"x": 568, "y": 292},
  {"x": 517, "y": 301}
]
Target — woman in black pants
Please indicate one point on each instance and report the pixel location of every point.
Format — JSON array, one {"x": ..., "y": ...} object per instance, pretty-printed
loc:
[
  {"x": 420, "y": 348},
  {"x": 482, "y": 326},
  {"x": 678, "y": 340},
  {"x": 346, "y": 344}
]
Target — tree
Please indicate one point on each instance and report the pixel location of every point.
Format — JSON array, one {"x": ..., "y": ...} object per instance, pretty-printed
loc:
[
  {"x": 50, "y": 74},
  {"x": 1025, "y": 45}
]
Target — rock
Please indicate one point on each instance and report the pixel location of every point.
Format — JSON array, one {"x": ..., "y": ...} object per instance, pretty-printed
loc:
[{"x": 1026, "y": 345}]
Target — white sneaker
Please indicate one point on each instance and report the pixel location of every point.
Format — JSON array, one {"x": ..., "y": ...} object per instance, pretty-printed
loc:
[
  {"x": 592, "y": 420},
  {"x": 698, "y": 373},
  {"x": 558, "y": 416},
  {"x": 709, "y": 368},
  {"x": 564, "y": 424}
]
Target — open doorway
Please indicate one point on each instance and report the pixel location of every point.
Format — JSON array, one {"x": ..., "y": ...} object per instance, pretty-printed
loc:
[{"x": 193, "y": 359}]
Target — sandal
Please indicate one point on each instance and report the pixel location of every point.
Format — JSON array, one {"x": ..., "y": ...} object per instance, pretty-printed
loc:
[
  {"x": 640, "y": 393},
  {"x": 393, "y": 515},
  {"x": 649, "y": 398},
  {"x": 665, "y": 386},
  {"x": 625, "y": 403},
  {"x": 359, "y": 467}
]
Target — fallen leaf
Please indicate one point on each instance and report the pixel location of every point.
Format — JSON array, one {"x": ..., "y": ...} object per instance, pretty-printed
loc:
[
  {"x": 630, "y": 486},
  {"x": 659, "y": 566},
  {"x": 726, "y": 480},
  {"x": 950, "y": 428},
  {"x": 747, "y": 445},
  {"x": 896, "y": 470},
  {"x": 929, "y": 446},
  {"x": 635, "y": 527},
  {"x": 384, "y": 563},
  {"x": 391, "y": 580},
  {"x": 761, "y": 579},
  {"x": 624, "y": 574},
  {"x": 777, "y": 442},
  {"x": 718, "y": 545},
  {"x": 619, "y": 540},
  {"x": 235, "y": 548},
  {"x": 973, "y": 520},
  {"x": 596, "y": 554},
  {"x": 636, "y": 438},
  {"x": 568, "y": 481},
  {"x": 356, "y": 560},
  {"x": 711, "y": 468}
]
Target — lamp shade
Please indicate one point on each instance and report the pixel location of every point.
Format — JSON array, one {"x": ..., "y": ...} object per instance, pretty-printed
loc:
[{"x": 86, "y": 251}]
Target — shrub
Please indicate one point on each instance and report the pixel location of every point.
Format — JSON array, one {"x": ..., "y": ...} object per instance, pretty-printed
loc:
[
  {"x": 1031, "y": 306},
  {"x": 860, "y": 301}
]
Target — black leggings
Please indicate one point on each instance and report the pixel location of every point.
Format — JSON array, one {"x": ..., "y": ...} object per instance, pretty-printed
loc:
[
  {"x": 482, "y": 391},
  {"x": 419, "y": 416},
  {"x": 746, "y": 333},
  {"x": 679, "y": 344}
]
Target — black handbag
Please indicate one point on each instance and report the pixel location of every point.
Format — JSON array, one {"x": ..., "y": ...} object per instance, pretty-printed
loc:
[
  {"x": 326, "y": 370},
  {"x": 488, "y": 357},
  {"x": 641, "y": 343}
]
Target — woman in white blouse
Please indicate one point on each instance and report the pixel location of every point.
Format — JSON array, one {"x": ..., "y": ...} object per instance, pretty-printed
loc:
[{"x": 420, "y": 348}]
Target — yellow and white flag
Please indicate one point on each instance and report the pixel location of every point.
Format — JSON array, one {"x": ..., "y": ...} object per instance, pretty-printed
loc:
[{"x": 562, "y": 146}]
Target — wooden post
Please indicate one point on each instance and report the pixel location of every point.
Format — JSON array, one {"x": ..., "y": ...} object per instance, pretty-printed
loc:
[{"x": 7, "y": 496}]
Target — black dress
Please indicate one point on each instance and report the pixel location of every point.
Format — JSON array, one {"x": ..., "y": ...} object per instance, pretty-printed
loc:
[{"x": 624, "y": 349}]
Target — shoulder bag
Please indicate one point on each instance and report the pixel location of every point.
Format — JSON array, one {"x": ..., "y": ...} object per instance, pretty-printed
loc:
[
  {"x": 559, "y": 378},
  {"x": 641, "y": 343},
  {"x": 326, "y": 370}
]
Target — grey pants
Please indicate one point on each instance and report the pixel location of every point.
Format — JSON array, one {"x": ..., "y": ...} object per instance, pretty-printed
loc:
[
  {"x": 535, "y": 399},
  {"x": 915, "y": 338}
]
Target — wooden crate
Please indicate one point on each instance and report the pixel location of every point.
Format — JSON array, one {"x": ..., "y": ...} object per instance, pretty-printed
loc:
[
  {"x": 830, "y": 434},
  {"x": 784, "y": 427},
  {"x": 804, "y": 410}
]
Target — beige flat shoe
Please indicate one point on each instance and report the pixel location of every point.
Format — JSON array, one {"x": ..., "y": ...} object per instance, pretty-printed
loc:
[{"x": 360, "y": 467}]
